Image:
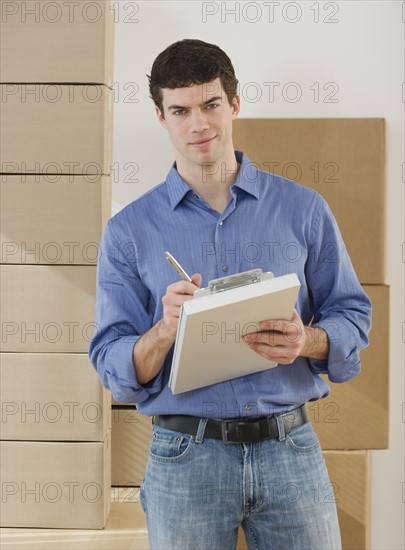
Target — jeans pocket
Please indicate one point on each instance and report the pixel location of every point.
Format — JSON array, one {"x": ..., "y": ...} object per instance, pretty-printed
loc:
[
  {"x": 168, "y": 445},
  {"x": 303, "y": 438}
]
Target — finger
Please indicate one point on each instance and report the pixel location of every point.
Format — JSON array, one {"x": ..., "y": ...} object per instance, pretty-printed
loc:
[
  {"x": 272, "y": 353},
  {"x": 175, "y": 300},
  {"x": 181, "y": 287},
  {"x": 288, "y": 338},
  {"x": 266, "y": 337},
  {"x": 173, "y": 310},
  {"x": 279, "y": 325},
  {"x": 197, "y": 279},
  {"x": 283, "y": 323},
  {"x": 282, "y": 326}
]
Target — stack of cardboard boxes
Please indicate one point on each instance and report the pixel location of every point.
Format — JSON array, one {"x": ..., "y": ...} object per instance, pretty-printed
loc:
[
  {"x": 343, "y": 159},
  {"x": 55, "y": 158}
]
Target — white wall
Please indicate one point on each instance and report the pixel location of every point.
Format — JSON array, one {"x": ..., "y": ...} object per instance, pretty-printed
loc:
[{"x": 361, "y": 53}]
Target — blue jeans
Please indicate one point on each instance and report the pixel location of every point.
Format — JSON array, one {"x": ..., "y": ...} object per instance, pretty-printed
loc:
[{"x": 197, "y": 491}]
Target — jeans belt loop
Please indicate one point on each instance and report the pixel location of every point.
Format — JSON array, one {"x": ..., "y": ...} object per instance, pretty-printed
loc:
[
  {"x": 199, "y": 438},
  {"x": 224, "y": 429},
  {"x": 280, "y": 427}
]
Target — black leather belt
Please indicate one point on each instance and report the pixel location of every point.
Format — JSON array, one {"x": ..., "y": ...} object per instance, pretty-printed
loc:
[{"x": 236, "y": 431}]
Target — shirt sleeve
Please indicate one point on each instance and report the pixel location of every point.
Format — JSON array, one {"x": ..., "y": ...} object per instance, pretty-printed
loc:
[
  {"x": 340, "y": 305},
  {"x": 122, "y": 316}
]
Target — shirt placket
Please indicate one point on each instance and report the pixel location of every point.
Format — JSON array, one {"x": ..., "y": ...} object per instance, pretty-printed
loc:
[{"x": 227, "y": 252}]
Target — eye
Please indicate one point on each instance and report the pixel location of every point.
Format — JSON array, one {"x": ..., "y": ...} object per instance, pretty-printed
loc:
[
  {"x": 179, "y": 112},
  {"x": 212, "y": 106}
]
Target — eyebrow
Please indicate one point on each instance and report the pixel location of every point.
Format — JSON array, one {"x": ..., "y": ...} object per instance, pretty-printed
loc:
[{"x": 215, "y": 98}]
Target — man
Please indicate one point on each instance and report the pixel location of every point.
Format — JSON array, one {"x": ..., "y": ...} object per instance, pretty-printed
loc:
[{"x": 241, "y": 452}]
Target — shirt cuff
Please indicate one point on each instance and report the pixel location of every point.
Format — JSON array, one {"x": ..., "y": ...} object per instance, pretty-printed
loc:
[
  {"x": 343, "y": 361},
  {"x": 121, "y": 373}
]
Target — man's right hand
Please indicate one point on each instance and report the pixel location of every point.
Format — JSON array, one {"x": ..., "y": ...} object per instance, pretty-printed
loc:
[
  {"x": 176, "y": 295},
  {"x": 152, "y": 347}
]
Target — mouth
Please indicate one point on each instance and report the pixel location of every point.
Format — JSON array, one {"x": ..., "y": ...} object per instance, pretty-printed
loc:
[{"x": 202, "y": 142}]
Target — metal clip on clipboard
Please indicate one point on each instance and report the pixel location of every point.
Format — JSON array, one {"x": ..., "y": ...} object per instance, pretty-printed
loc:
[{"x": 233, "y": 281}]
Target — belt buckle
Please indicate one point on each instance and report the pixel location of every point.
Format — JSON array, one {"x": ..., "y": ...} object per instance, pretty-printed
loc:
[
  {"x": 224, "y": 429},
  {"x": 240, "y": 427}
]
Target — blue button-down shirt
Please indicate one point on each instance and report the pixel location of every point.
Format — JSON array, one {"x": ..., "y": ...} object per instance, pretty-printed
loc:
[{"x": 270, "y": 223}]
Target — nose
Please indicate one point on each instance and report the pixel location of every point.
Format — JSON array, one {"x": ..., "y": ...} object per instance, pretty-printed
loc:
[{"x": 199, "y": 121}]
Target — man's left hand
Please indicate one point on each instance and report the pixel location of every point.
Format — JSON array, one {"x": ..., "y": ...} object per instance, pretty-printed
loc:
[{"x": 279, "y": 340}]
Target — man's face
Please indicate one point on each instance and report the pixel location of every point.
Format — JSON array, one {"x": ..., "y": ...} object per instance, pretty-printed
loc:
[{"x": 199, "y": 121}]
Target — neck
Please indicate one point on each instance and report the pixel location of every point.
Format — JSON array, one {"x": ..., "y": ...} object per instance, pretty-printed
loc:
[{"x": 212, "y": 181}]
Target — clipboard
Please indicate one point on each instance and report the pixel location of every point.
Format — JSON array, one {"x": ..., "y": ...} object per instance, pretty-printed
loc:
[{"x": 209, "y": 348}]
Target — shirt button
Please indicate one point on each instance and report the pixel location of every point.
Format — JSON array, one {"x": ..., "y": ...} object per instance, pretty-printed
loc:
[
  {"x": 220, "y": 223},
  {"x": 225, "y": 268},
  {"x": 196, "y": 196},
  {"x": 248, "y": 406}
]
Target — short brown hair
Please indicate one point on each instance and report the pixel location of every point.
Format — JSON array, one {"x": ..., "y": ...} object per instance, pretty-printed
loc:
[{"x": 188, "y": 62}]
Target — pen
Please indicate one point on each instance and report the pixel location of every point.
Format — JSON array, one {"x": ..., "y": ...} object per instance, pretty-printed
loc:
[{"x": 175, "y": 264}]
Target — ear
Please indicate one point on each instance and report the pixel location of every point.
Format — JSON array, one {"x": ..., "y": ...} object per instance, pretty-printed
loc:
[
  {"x": 235, "y": 107},
  {"x": 160, "y": 116}
]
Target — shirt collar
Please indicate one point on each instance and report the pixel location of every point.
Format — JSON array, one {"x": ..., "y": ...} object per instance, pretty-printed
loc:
[
  {"x": 177, "y": 188},
  {"x": 247, "y": 180},
  {"x": 248, "y": 175}
]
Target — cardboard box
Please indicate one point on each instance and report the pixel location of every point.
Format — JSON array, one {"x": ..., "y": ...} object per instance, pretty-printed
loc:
[
  {"x": 349, "y": 473},
  {"x": 47, "y": 308},
  {"x": 53, "y": 220},
  {"x": 325, "y": 154},
  {"x": 55, "y": 485},
  {"x": 55, "y": 129},
  {"x": 58, "y": 41},
  {"x": 355, "y": 414},
  {"x": 131, "y": 433},
  {"x": 241, "y": 544},
  {"x": 71, "y": 406}
]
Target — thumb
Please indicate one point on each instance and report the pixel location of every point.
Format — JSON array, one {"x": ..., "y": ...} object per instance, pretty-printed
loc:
[{"x": 197, "y": 279}]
